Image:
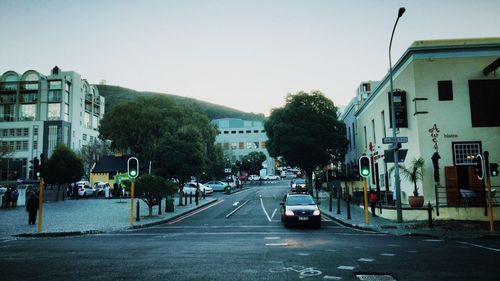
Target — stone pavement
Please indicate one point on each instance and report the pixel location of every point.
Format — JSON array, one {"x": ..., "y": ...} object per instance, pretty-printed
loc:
[
  {"x": 85, "y": 216},
  {"x": 440, "y": 229}
]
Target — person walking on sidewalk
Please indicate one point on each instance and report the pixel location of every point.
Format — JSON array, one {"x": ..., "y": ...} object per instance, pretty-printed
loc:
[
  {"x": 32, "y": 207},
  {"x": 373, "y": 201}
]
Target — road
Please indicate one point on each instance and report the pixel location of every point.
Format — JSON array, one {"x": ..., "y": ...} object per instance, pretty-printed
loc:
[{"x": 240, "y": 237}]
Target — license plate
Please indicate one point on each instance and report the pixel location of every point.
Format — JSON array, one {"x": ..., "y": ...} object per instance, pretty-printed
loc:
[{"x": 303, "y": 218}]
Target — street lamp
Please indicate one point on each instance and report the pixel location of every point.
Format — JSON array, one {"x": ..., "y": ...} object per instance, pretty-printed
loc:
[{"x": 393, "y": 119}]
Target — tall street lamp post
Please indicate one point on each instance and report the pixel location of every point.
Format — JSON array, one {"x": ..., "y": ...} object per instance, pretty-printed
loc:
[{"x": 393, "y": 118}]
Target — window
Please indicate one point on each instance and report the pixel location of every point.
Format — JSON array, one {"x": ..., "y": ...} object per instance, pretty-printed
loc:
[
  {"x": 55, "y": 85},
  {"x": 255, "y": 131},
  {"x": 225, "y": 146},
  {"x": 226, "y": 132},
  {"x": 249, "y": 145},
  {"x": 263, "y": 145},
  {"x": 256, "y": 144},
  {"x": 240, "y": 132},
  {"x": 464, "y": 153},
  {"x": 234, "y": 145},
  {"x": 353, "y": 135},
  {"x": 373, "y": 130},
  {"x": 233, "y": 132},
  {"x": 25, "y": 145},
  {"x": 383, "y": 124},
  {"x": 242, "y": 145},
  {"x": 249, "y": 131},
  {"x": 19, "y": 132},
  {"x": 445, "y": 90},
  {"x": 35, "y": 145},
  {"x": 484, "y": 100},
  {"x": 54, "y": 112},
  {"x": 349, "y": 138},
  {"x": 366, "y": 137},
  {"x": 7, "y": 112},
  {"x": 28, "y": 112},
  {"x": 84, "y": 137},
  {"x": 26, "y": 132}
]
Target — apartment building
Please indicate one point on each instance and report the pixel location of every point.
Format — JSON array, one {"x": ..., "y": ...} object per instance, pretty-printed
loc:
[{"x": 38, "y": 112}]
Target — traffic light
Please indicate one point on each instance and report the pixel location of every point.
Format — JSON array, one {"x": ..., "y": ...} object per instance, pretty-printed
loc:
[
  {"x": 36, "y": 168},
  {"x": 133, "y": 167},
  {"x": 493, "y": 169},
  {"x": 41, "y": 166},
  {"x": 30, "y": 175},
  {"x": 479, "y": 171},
  {"x": 364, "y": 166}
]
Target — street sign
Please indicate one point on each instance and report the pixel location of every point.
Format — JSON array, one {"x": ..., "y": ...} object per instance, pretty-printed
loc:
[
  {"x": 227, "y": 170},
  {"x": 389, "y": 155},
  {"x": 394, "y": 140}
]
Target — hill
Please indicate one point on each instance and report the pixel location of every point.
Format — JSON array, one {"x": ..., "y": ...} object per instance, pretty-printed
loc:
[{"x": 116, "y": 95}]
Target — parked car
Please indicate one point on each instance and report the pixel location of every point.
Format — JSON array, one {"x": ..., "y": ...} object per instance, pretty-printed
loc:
[
  {"x": 271, "y": 177},
  {"x": 191, "y": 187},
  {"x": 298, "y": 185},
  {"x": 300, "y": 209},
  {"x": 253, "y": 178},
  {"x": 216, "y": 185},
  {"x": 84, "y": 189},
  {"x": 99, "y": 187}
]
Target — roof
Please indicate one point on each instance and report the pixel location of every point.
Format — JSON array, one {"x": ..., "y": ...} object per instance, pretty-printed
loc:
[{"x": 110, "y": 164}]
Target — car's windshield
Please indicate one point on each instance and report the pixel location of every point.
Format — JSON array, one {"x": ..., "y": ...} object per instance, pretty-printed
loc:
[
  {"x": 300, "y": 200},
  {"x": 300, "y": 181}
]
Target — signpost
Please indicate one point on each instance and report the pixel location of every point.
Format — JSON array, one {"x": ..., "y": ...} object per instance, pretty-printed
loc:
[{"x": 388, "y": 140}]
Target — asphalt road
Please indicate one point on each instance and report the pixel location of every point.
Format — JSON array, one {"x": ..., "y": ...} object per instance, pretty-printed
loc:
[{"x": 240, "y": 237}]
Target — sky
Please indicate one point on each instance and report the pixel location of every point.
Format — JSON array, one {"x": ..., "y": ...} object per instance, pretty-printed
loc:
[{"x": 246, "y": 55}]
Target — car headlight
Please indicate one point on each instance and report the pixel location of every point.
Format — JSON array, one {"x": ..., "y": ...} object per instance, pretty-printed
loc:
[
  {"x": 316, "y": 212},
  {"x": 289, "y": 212}
]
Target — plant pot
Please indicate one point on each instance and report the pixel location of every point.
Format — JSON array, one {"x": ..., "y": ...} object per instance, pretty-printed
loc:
[{"x": 416, "y": 201}]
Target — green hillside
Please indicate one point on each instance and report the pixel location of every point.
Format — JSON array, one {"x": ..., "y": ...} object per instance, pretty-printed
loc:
[{"x": 116, "y": 95}]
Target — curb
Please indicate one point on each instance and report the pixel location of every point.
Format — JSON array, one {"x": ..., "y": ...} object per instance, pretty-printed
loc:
[
  {"x": 173, "y": 217},
  {"x": 344, "y": 223}
]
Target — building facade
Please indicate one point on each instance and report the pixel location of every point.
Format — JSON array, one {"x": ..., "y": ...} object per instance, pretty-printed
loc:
[
  {"x": 38, "y": 112},
  {"x": 447, "y": 99},
  {"x": 239, "y": 137}
]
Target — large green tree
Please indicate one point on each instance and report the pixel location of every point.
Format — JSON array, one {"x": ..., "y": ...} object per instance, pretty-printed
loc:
[
  {"x": 63, "y": 167},
  {"x": 152, "y": 188},
  {"x": 252, "y": 162},
  {"x": 306, "y": 132}
]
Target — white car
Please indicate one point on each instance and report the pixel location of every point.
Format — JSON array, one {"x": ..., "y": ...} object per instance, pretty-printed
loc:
[
  {"x": 253, "y": 178},
  {"x": 271, "y": 177},
  {"x": 190, "y": 187},
  {"x": 85, "y": 190}
]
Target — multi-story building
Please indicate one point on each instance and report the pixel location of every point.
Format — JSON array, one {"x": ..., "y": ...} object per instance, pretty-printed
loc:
[
  {"x": 38, "y": 112},
  {"x": 448, "y": 92},
  {"x": 239, "y": 137}
]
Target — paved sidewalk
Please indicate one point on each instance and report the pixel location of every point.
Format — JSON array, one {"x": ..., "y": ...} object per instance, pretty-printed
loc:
[
  {"x": 75, "y": 217},
  {"x": 441, "y": 228}
]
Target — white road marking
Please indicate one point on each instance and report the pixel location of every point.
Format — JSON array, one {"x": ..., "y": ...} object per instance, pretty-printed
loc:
[
  {"x": 346, "y": 267},
  {"x": 195, "y": 212},
  {"x": 303, "y": 254},
  {"x": 328, "y": 277},
  {"x": 388, "y": 254},
  {"x": 236, "y": 203},
  {"x": 412, "y": 251},
  {"x": 433, "y": 240},
  {"x": 272, "y": 238},
  {"x": 365, "y": 260},
  {"x": 262, "y": 204},
  {"x": 276, "y": 244},
  {"x": 274, "y": 213},
  {"x": 479, "y": 246},
  {"x": 234, "y": 211}
]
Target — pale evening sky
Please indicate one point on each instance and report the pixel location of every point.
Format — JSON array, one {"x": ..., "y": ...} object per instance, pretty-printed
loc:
[{"x": 242, "y": 54}]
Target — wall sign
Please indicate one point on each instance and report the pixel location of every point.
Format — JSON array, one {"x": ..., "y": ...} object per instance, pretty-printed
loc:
[{"x": 434, "y": 134}]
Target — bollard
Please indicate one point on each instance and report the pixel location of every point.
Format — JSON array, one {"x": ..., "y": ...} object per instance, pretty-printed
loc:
[
  {"x": 159, "y": 207},
  {"x": 197, "y": 197},
  {"x": 137, "y": 212},
  {"x": 330, "y": 201},
  {"x": 203, "y": 193},
  {"x": 185, "y": 199},
  {"x": 348, "y": 207},
  {"x": 166, "y": 203},
  {"x": 429, "y": 210},
  {"x": 191, "y": 197}
]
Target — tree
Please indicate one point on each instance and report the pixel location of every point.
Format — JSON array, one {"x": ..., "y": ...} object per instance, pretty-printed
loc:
[
  {"x": 92, "y": 152},
  {"x": 63, "y": 167},
  {"x": 252, "y": 162},
  {"x": 152, "y": 187},
  {"x": 413, "y": 173},
  {"x": 306, "y": 132}
]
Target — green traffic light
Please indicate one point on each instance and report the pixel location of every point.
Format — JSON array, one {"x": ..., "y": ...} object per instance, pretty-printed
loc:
[
  {"x": 365, "y": 172},
  {"x": 133, "y": 173}
]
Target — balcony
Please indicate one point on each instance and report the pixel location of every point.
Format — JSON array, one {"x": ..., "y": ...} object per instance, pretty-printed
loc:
[
  {"x": 8, "y": 99},
  {"x": 29, "y": 86},
  {"x": 8, "y": 86},
  {"x": 28, "y": 98}
]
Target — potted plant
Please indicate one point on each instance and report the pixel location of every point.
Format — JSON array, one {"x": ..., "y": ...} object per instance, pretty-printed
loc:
[{"x": 414, "y": 173}]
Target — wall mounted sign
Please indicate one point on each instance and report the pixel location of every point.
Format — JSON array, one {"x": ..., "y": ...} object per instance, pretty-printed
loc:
[{"x": 434, "y": 134}]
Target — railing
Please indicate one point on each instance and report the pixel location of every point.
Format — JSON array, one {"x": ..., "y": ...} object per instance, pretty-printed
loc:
[{"x": 465, "y": 197}]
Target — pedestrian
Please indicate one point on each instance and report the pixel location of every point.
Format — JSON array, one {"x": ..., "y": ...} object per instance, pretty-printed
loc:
[
  {"x": 373, "y": 201},
  {"x": 7, "y": 197},
  {"x": 13, "y": 197},
  {"x": 32, "y": 207}
]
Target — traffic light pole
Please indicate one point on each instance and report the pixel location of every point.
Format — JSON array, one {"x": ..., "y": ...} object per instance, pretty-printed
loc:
[
  {"x": 132, "y": 203},
  {"x": 367, "y": 220},
  {"x": 40, "y": 206},
  {"x": 488, "y": 184}
]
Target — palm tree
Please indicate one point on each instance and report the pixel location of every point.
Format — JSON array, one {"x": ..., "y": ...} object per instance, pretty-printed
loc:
[{"x": 413, "y": 173}]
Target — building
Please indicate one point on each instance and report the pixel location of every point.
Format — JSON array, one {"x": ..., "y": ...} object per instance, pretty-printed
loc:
[
  {"x": 447, "y": 99},
  {"x": 38, "y": 112},
  {"x": 109, "y": 169},
  {"x": 239, "y": 137}
]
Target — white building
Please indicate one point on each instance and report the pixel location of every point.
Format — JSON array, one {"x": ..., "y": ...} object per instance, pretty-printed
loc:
[
  {"x": 239, "y": 137},
  {"x": 448, "y": 103},
  {"x": 39, "y": 111}
]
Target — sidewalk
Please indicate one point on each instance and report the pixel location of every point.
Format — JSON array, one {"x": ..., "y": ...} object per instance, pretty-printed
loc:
[
  {"x": 441, "y": 228},
  {"x": 85, "y": 216}
]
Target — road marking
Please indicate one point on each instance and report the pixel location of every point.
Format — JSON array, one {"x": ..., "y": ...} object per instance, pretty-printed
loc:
[
  {"x": 195, "y": 212},
  {"x": 328, "y": 277},
  {"x": 262, "y": 204},
  {"x": 365, "y": 260},
  {"x": 276, "y": 244},
  {"x": 303, "y": 254},
  {"x": 274, "y": 213},
  {"x": 236, "y": 203},
  {"x": 393, "y": 245},
  {"x": 479, "y": 246},
  {"x": 412, "y": 251},
  {"x": 433, "y": 240},
  {"x": 388, "y": 254},
  {"x": 234, "y": 211},
  {"x": 346, "y": 267},
  {"x": 272, "y": 238}
]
